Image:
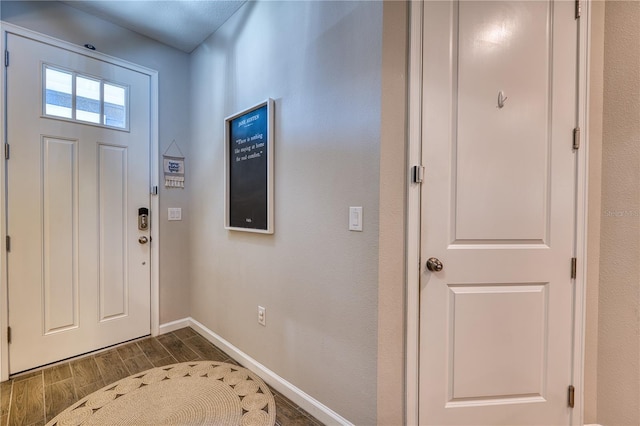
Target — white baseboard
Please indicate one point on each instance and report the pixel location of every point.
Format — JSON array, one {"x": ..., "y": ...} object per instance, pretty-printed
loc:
[
  {"x": 174, "y": 325},
  {"x": 299, "y": 397}
]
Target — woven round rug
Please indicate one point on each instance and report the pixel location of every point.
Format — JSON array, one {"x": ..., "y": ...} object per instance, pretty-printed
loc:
[{"x": 189, "y": 393}]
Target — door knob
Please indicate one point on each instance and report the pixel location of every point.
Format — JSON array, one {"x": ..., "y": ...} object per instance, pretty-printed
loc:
[
  {"x": 143, "y": 240},
  {"x": 434, "y": 264}
]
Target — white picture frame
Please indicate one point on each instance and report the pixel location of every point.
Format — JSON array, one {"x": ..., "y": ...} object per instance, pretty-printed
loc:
[{"x": 248, "y": 155}]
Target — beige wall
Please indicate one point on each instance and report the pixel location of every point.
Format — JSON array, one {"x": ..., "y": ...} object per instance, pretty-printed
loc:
[
  {"x": 63, "y": 22},
  {"x": 393, "y": 178},
  {"x": 322, "y": 64},
  {"x": 596, "y": 68},
  {"x": 618, "y": 379}
]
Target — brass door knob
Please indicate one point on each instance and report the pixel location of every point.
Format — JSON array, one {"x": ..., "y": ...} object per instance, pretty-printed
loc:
[{"x": 143, "y": 240}]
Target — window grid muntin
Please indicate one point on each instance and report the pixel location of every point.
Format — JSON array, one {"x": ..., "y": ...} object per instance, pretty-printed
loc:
[
  {"x": 124, "y": 106},
  {"x": 102, "y": 114},
  {"x": 58, "y": 93},
  {"x": 80, "y": 99}
]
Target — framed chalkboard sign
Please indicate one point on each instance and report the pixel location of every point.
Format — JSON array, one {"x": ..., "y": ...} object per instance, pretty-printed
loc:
[{"x": 249, "y": 169}]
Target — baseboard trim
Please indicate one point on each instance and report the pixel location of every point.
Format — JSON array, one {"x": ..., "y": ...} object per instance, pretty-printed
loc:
[
  {"x": 308, "y": 403},
  {"x": 299, "y": 397},
  {"x": 174, "y": 325}
]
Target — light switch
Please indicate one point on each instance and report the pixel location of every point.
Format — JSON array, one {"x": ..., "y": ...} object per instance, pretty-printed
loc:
[
  {"x": 175, "y": 213},
  {"x": 355, "y": 219}
]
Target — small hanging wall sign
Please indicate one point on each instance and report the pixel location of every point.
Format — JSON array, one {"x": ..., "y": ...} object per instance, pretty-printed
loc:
[{"x": 173, "y": 168}]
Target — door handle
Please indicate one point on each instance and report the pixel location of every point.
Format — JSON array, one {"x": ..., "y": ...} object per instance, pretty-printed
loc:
[
  {"x": 434, "y": 264},
  {"x": 143, "y": 240}
]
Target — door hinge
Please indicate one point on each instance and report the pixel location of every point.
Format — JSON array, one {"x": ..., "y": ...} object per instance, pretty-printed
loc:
[
  {"x": 8, "y": 243},
  {"x": 6, "y": 58},
  {"x": 574, "y": 267},
  {"x": 417, "y": 174},
  {"x": 154, "y": 190},
  {"x": 578, "y": 9},
  {"x": 7, "y": 151},
  {"x": 8, "y": 334},
  {"x": 572, "y": 396},
  {"x": 576, "y": 138}
]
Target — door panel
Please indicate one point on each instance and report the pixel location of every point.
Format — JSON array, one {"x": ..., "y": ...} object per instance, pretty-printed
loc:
[
  {"x": 498, "y": 209},
  {"x": 78, "y": 278},
  {"x": 60, "y": 233},
  {"x": 112, "y": 186},
  {"x": 505, "y": 357},
  {"x": 499, "y": 44}
]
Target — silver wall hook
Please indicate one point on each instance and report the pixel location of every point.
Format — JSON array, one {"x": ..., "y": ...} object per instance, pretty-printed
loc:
[{"x": 501, "y": 99}]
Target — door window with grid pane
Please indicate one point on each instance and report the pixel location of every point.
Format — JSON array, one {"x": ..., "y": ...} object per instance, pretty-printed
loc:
[{"x": 72, "y": 96}]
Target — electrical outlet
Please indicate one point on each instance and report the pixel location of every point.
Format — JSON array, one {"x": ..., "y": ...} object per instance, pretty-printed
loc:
[{"x": 262, "y": 316}]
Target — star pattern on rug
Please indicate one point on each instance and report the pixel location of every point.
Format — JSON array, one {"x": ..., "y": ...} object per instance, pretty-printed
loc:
[{"x": 255, "y": 403}]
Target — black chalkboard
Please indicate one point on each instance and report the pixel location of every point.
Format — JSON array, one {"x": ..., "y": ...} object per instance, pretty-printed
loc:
[{"x": 249, "y": 160}]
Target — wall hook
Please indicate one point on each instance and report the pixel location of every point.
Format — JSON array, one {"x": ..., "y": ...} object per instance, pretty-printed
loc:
[{"x": 501, "y": 99}]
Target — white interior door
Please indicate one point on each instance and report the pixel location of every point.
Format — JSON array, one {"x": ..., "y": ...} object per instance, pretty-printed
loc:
[
  {"x": 78, "y": 278},
  {"x": 498, "y": 211}
]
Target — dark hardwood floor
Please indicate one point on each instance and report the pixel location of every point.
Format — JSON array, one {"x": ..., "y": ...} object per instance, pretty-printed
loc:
[{"x": 37, "y": 397}]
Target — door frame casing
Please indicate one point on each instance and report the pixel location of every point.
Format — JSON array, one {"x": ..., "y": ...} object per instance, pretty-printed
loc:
[
  {"x": 414, "y": 157},
  {"x": 5, "y": 29}
]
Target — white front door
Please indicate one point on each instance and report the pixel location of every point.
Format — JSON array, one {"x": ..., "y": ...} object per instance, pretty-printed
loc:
[
  {"x": 498, "y": 211},
  {"x": 78, "y": 277}
]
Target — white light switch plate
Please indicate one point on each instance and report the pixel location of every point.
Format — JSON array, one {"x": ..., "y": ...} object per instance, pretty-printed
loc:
[
  {"x": 355, "y": 219},
  {"x": 175, "y": 213}
]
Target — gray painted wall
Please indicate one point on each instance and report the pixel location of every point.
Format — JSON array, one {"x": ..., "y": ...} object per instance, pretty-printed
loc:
[
  {"x": 319, "y": 282},
  {"x": 68, "y": 24},
  {"x": 321, "y": 63}
]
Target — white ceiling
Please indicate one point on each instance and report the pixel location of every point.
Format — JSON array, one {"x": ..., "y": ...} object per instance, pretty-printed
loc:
[{"x": 182, "y": 24}]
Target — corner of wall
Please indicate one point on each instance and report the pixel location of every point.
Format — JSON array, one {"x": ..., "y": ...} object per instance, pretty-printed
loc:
[
  {"x": 391, "y": 261},
  {"x": 596, "y": 67}
]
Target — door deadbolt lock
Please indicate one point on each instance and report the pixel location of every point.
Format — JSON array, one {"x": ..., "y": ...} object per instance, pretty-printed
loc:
[
  {"x": 434, "y": 264},
  {"x": 143, "y": 218}
]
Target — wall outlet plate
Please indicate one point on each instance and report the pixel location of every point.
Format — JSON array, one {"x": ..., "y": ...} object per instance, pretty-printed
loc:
[{"x": 262, "y": 316}]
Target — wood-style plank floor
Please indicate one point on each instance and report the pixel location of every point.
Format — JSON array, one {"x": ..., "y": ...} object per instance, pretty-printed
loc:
[{"x": 34, "y": 398}]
